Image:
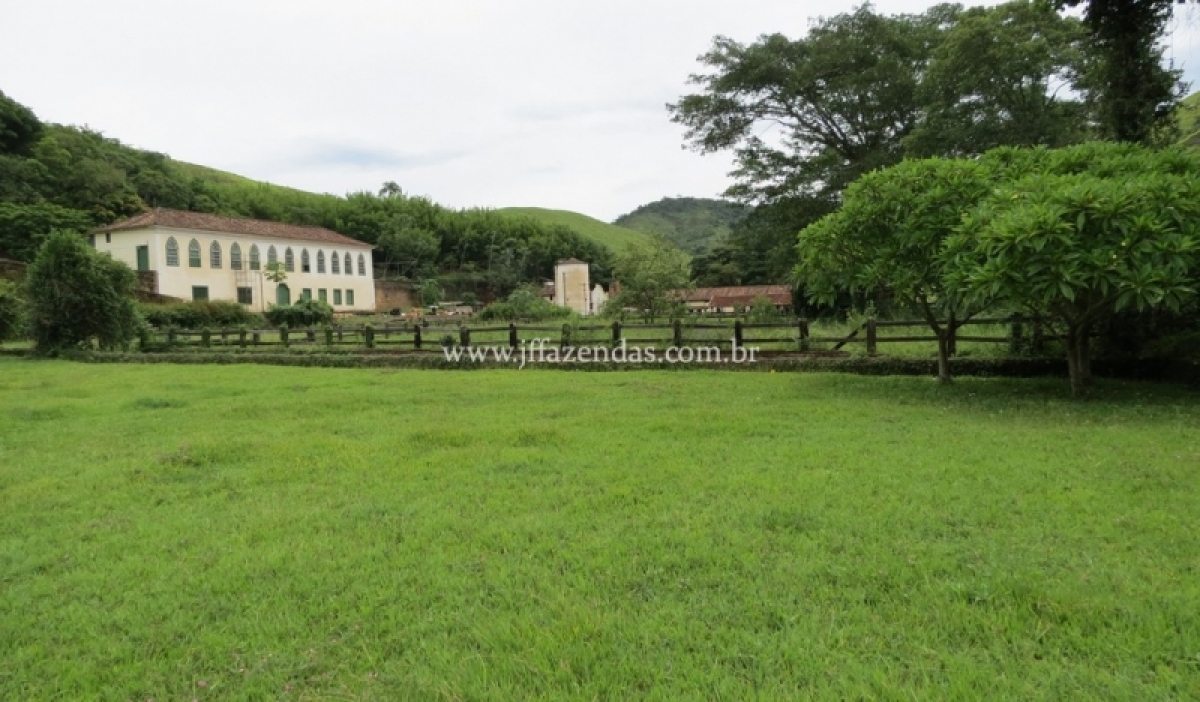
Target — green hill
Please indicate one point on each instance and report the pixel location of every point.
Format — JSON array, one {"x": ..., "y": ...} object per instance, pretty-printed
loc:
[
  {"x": 693, "y": 224},
  {"x": 610, "y": 235},
  {"x": 1189, "y": 120}
]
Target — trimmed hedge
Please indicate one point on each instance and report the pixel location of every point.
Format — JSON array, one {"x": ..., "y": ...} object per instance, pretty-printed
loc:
[
  {"x": 1139, "y": 369},
  {"x": 199, "y": 315},
  {"x": 305, "y": 313}
]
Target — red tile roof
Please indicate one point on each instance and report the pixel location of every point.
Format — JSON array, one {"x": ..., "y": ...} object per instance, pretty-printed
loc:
[
  {"x": 781, "y": 294},
  {"x": 229, "y": 225}
]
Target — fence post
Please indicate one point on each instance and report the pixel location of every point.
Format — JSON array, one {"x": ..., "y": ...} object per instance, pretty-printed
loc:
[
  {"x": 737, "y": 334},
  {"x": 224, "y": 335},
  {"x": 1016, "y": 337},
  {"x": 329, "y": 336},
  {"x": 310, "y": 334},
  {"x": 566, "y": 336},
  {"x": 369, "y": 336},
  {"x": 339, "y": 332},
  {"x": 205, "y": 337},
  {"x": 616, "y": 333},
  {"x": 417, "y": 337},
  {"x": 803, "y": 325},
  {"x": 872, "y": 336},
  {"x": 257, "y": 337},
  {"x": 283, "y": 335},
  {"x": 512, "y": 335},
  {"x": 144, "y": 337},
  {"x": 242, "y": 338},
  {"x": 677, "y": 332},
  {"x": 1039, "y": 338},
  {"x": 464, "y": 336},
  {"x": 170, "y": 336}
]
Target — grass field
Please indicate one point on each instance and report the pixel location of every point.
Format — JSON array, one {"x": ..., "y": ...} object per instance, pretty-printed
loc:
[
  {"x": 248, "y": 532},
  {"x": 610, "y": 235}
]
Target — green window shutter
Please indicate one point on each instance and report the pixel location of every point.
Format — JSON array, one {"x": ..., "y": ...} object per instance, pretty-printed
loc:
[{"x": 350, "y": 297}]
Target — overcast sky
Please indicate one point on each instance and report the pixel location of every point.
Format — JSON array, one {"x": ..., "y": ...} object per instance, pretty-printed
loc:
[{"x": 543, "y": 103}]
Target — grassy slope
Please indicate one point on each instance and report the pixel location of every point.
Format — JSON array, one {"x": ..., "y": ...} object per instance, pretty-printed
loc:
[
  {"x": 612, "y": 236},
  {"x": 1189, "y": 120},
  {"x": 275, "y": 533}
]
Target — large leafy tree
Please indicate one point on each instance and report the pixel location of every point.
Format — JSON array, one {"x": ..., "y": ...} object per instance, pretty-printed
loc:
[
  {"x": 804, "y": 116},
  {"x": 888, "y": 237},
  {"x": 1133, "y": 91},
  {"x": 77, "y": 296},
  {"x": 650, "y": 276},
  {"x": 1096, "y": 229},
  {"x": 1000, "y": 76}
]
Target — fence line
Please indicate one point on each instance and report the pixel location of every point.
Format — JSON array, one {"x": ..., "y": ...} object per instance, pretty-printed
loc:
[{"x": 1023, "y": 333}]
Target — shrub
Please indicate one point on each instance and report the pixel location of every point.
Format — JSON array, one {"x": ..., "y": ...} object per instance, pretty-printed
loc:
[
  {"x": 525, "y": 303},
  {"x": 305, "y": 313},
  {"x": 197, "y": 315},
  {"x": 77, "y": 296}
]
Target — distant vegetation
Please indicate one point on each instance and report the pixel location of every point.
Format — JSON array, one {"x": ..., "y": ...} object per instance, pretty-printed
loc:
[
  {"x": 1189, "y": 121},
  {"x": 691, "y": 223},
  {"x": 60, "y": 177},
  {"x": 612, "y": 236}
]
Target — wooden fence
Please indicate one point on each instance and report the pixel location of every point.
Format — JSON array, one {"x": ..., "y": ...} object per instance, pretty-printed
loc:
[{"x": 792, "y": 336}]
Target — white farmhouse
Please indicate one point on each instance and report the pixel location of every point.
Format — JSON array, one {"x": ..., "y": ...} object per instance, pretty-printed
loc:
[{"x": 198, "y": 256}]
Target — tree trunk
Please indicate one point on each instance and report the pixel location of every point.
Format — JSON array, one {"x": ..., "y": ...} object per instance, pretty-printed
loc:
[
  {"x": 1079, "y": 360},
  {"x": 945, "y": 339}
]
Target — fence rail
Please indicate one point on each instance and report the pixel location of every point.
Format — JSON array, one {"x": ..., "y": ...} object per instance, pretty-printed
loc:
[{"x": 1023, "y": 333}]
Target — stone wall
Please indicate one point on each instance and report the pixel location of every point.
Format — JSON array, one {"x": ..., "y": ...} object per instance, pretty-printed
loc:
[{"x": 394, "y": 294}]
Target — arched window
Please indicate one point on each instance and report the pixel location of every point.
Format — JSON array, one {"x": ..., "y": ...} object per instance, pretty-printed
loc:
[
  {"x": 272, "y": 257},
  {"x": 214, "y": 255},
  {"x": 254, "y": 260},
  {"x": 194, "y": 253},
  {"x": 362, "y": 264},
  {"x": 320, "y": 261},
  {"x": 235, "y": 257},
  {"x": 289, "y": 261},
  {"x": 305, "y": 264},
  {"x": 335, "y": 263},
  {"x": 172, "y": 252},
  {"x": 349, "y": 265}
]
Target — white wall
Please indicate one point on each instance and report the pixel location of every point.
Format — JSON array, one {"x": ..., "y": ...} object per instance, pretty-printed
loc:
[
  {"x": 223, "y": 282},
  {"x": 571, "y": 287}
]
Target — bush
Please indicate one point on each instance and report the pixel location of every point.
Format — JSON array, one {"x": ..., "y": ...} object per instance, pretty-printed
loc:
[
  {"x": 525, "y": 303},
  {"x": 305, "y": 313},
  {"x": 77, "y": 296},
  {"x": 198, "y": 315}
]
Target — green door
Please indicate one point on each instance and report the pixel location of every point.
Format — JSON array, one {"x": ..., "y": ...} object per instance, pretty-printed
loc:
[
  {"x": 143, "y": 255},
  {"x": 283, "y": 296}
]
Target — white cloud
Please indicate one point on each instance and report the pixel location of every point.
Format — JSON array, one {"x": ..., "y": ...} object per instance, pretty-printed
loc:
[{"x": 473, "y": 103}]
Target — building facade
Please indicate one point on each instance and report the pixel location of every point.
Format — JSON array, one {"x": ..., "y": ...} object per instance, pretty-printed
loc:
[{"x": 198, "y": 256}]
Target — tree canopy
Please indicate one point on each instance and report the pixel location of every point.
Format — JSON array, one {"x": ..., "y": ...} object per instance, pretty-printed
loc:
[{"x": 803, "y": 118}]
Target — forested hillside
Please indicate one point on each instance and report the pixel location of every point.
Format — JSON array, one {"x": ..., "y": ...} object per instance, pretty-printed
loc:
[
  {"x": 61, "y": 177},
  {"x": 691, "y": 223}
]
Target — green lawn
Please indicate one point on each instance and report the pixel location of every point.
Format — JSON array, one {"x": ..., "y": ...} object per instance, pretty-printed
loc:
[{"x": 245, "y": 532}]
